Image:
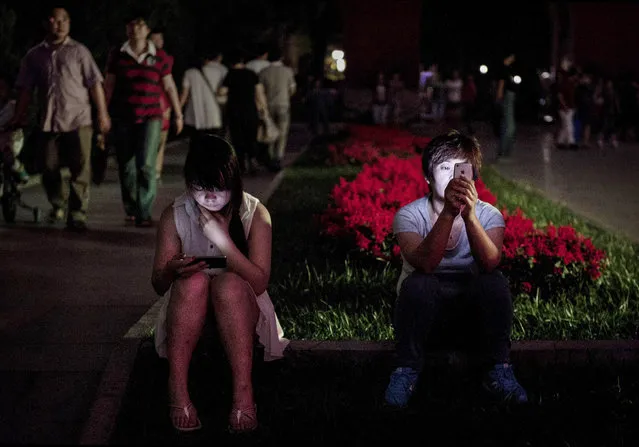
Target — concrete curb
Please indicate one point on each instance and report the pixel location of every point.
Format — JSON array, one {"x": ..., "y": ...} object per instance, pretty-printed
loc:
[
  {"x": 106, "y": 407},
  {"x": 517, "y": 346},
  {"x": 538, "y": 352}
]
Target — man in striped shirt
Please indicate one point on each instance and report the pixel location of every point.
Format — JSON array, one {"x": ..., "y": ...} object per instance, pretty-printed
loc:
[{"x": 137, "y": 74}]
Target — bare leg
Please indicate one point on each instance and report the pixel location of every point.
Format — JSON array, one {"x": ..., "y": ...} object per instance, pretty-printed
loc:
[
  {"x": 236, "y": 313},
  {"x": 186, "y": 314}
]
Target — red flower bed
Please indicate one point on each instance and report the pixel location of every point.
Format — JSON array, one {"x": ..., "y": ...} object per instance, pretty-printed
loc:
[
  {"x": 550, "y": 259},
  {"x": 368, "y": 144},
  {"x": 361, "y": 212},
  {"x": 360, "y": 216}
]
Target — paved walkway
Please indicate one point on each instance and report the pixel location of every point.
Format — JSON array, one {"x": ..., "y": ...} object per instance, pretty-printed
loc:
[{"x": 69, "y": 299}]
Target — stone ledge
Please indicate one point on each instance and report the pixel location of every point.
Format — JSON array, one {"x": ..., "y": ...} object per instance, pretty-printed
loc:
[{"x": 517, "y": 346}]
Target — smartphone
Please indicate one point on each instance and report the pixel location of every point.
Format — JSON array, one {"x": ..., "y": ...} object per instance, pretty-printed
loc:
[
  {"x": 463, "y": 170},
  {"x": 212, "y": 262}
]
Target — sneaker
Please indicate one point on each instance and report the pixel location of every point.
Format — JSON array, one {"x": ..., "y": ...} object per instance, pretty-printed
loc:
[
  {"x": 501, "y": 383},
  {"x": 401, "y": 387},
  {"x": 55, "y": 215}
]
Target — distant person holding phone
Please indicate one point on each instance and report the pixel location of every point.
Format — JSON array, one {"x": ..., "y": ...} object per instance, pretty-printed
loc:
[
  {"x": 214, "y": 217},
  {"x": 450, "y": 292}
]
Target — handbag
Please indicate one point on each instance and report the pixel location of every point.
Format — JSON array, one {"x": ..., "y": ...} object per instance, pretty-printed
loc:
[{"x": 267, "y": 131}]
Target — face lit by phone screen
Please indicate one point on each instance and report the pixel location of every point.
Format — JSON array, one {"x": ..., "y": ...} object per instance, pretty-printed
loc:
[
  {"x": 211, "y": 199},
  {"x": 442, "y": 174}
]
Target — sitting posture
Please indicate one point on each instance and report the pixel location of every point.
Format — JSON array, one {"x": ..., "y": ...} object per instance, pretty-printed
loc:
[
  {"x": 451, "y": 245},
  {"x": 214, "y": 217}
]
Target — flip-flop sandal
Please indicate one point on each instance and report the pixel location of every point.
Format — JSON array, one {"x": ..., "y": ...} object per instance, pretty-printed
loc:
[
  {"x": 248, "y": 415},
  {"x": 187, "y": 413}
]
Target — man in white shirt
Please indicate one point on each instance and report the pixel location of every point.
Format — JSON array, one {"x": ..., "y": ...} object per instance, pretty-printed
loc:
[
  {"x": 279, "y": 85},
  {"x": 260, "y": 62},
  {"x": 202, "y": 111}
]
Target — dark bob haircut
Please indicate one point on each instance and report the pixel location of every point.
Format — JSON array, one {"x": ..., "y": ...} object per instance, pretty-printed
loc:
[{"x": 453, "y": 144}]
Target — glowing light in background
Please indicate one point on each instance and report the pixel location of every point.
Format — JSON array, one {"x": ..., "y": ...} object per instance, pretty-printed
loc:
[
  {"x": 341, "y": 65},
  {"x": 483, "y": 69},
  {"x": 517, "y": 79},
  {"x": 337, "y": 55},
  {"x": 545, "y": 75}
]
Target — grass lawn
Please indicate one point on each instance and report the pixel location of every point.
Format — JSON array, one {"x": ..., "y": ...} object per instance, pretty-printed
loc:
[
  {"x": 310, "y": 399},
  {"x": 321, "y": 294}
]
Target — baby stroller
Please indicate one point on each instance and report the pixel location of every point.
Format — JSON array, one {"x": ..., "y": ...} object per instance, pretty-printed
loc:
[{"x": 11, "y": 141}]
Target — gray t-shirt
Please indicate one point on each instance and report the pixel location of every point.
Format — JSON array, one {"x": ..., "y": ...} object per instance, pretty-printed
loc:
[{"x": 414, "y": 218}]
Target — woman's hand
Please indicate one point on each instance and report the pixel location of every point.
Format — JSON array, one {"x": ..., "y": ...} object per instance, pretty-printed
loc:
[
  {"x": 180, "y": 266},
  {"x": 215, "y": 227}
]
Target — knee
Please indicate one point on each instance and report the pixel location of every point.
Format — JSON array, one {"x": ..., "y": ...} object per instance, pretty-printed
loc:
[
  {"x": 493, "y": 287},
  {"x": 419, "y": 287},
  {"x": 228, "y": 287},
  {"x": 192, "y": 287}
]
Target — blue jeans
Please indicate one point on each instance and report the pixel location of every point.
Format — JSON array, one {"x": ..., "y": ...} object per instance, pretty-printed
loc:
[
  {"x": 136, "y": 147},
  {"x": 453, "y": 311},
  {"x": 507, "y": 131}
]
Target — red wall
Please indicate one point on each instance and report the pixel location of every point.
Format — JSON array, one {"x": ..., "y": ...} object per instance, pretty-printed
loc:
[
  {"x": 606, "y": 35},
  {"x": 381, "y": 35}
]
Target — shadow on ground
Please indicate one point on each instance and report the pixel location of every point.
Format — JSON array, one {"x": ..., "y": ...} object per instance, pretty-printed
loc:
[{"x": 317, "y": 399}]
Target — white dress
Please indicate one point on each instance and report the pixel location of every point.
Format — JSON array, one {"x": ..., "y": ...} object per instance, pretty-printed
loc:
[{"x": 194, "y": 243}]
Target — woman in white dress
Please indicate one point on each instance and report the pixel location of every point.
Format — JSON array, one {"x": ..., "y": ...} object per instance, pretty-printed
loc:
[{"x": 214, "y": 217}]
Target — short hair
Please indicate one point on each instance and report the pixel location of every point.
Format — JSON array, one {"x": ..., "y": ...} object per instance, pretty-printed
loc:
[
  {"x": 137, "y": 14},
  {"x": 275, "y": 54},
  {"x": 261, "y": 48},
  {"x": 209, "y": 53},
  {"x": 158, "y": 30},
  {"x": 453, "y": 144},
  {"x": 49, "y": 11},
  {"x": 235, "y": 55}
]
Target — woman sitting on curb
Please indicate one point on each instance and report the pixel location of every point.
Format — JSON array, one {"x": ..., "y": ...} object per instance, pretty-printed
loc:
[
  {"x": 450, "y": 287},
  {"x": 214, "y": 217}
]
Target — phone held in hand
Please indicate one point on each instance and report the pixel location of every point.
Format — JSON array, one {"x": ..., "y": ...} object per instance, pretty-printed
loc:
[
  {"x": 463, "y": 170},
  {"x": 212, "y": 262}
]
